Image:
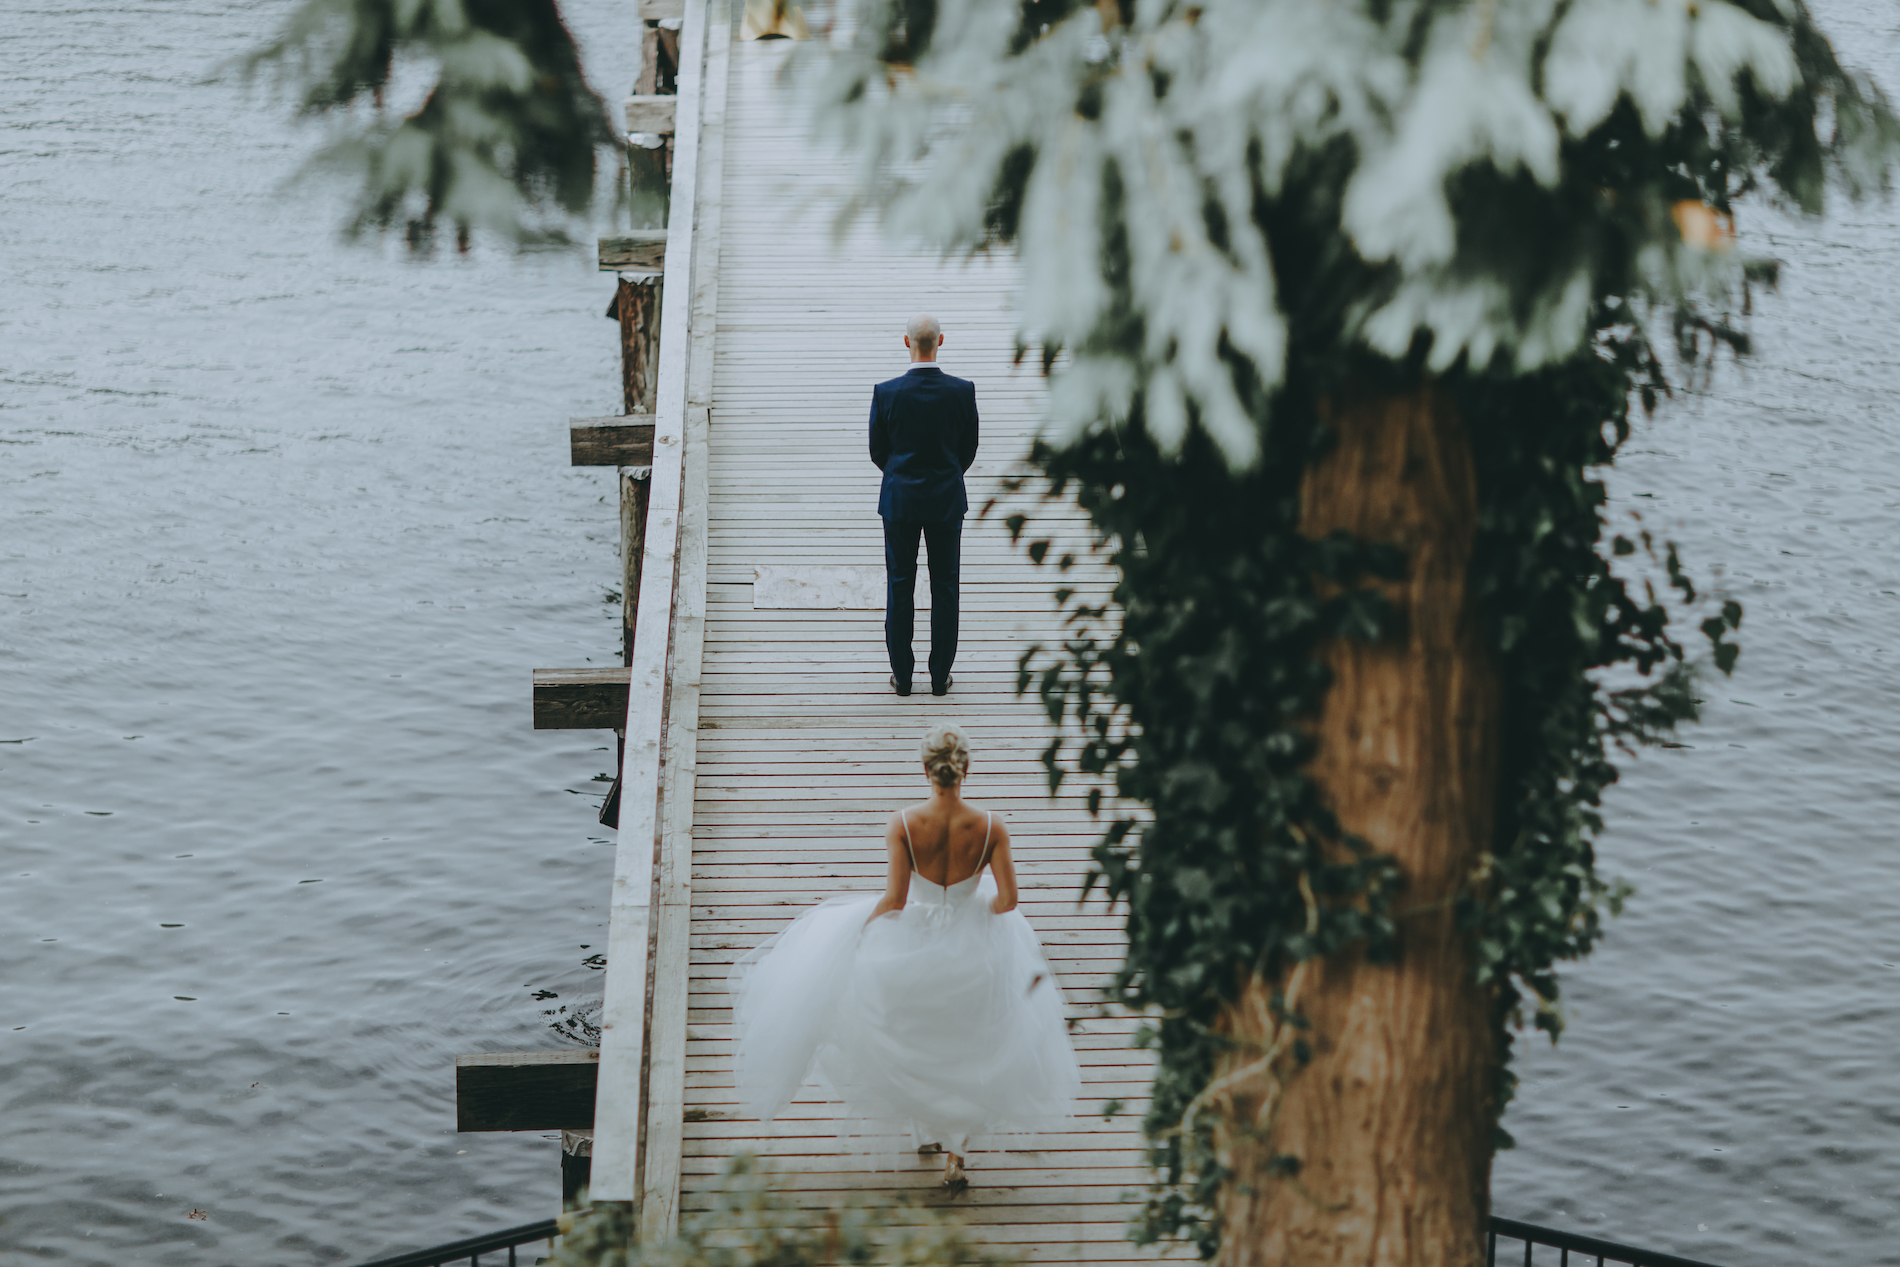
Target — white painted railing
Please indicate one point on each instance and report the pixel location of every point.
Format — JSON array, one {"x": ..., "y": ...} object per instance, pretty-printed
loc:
[{"x": 620, "y": 1100}]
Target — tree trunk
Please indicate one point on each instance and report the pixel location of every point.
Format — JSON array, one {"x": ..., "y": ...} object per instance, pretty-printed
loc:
[{"x": 1391, "y": 1120}]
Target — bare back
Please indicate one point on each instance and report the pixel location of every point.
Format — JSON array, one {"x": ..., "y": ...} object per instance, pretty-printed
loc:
[{"x": 950, "y": 843}]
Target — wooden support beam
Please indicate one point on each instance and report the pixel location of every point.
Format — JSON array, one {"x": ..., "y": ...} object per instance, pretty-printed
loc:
[
  {"x": 636, "y": 494},
  {"x": 580, "y": 699},
  {"x": 527, "y": 1090},
  {"x": 651, "y": 113},
  {"x": 642, "y": 251},
  {"x": 649, "y": 182},
  {"x": 659, "y": 61},
  {"x": 636, "y": 306},
  {"x": 577, "y": 1164},
  {"x": 622, "y": 441}
]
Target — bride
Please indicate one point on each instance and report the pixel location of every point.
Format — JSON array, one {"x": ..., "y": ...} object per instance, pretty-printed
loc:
[{"x": 930, "y": 1009}]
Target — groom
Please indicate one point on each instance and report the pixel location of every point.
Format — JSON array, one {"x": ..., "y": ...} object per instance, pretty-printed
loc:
[{"x": 923, "y": 437}]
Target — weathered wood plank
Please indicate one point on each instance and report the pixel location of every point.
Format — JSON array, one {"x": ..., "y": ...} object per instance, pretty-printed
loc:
[
  {"x": 819, "y": 1138},
  {"x": 636, "y": 307},
  {"x": 713, "y": 920},
  {"x": 636, "y": 495},
  {"x": 639, "y": 251},
  {"x": 673, "y": 894},
  {"x": 526, "y": 1090},
  {"x": 650, "y": 112},
  {"x": 580, "y": 699},
  {"x": 660, "y": 1171},
  {"x": 621, "y": 441}
]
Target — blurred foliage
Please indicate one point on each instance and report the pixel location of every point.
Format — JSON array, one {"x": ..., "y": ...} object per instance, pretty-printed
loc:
[
  {"x": 507, "y": 140},
  {"x": 749, "y": 1225},
  {"x": 1202, "y": 192},
  {"x": 1230, "y": 211}
]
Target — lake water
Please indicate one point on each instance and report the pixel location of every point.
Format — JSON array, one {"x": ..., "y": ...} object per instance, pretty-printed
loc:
[{"x": 284, "y": 525}]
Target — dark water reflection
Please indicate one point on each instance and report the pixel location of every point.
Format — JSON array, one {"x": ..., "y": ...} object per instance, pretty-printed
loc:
[{"x": 286, "y": 525}]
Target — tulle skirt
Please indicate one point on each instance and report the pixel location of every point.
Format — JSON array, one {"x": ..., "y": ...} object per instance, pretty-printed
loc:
[{"x": 940, "y": 1023}]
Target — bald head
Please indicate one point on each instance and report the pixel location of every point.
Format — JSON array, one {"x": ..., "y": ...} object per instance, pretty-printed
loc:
[{"x": 923, "y": 336}]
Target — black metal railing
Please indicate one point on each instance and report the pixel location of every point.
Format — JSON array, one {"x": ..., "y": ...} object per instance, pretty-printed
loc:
[
  {"x": 1589, "y": 1251},
  {"x": 472, "y": 1249}
]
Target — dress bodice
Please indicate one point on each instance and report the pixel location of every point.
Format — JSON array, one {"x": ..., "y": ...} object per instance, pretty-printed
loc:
[{"x": 930, "y": 893}]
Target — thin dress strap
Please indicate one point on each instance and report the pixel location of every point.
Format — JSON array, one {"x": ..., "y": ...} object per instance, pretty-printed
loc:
[
  {"x": 903, "y": 816},
  {"x": 989, "y": 825}
]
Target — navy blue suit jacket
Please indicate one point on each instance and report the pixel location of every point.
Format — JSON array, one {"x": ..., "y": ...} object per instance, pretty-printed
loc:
[{"x": 923, "y": 437}]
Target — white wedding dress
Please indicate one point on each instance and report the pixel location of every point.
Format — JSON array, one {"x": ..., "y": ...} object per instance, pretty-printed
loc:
[{"x": 940, "y": 1021}]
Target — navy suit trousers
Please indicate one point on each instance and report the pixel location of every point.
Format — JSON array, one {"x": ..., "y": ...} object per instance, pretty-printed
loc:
[{"x": 943, "y": 544}]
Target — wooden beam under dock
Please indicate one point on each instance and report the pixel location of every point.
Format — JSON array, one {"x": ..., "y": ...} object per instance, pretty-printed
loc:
[
  {"x": 527, "y": 1090},
  {"x": 651, "y": 112},
  {"x": 580, "y": 699},
  {"x": 642, "y": 250},
  {"x": 622, "y": 441}
]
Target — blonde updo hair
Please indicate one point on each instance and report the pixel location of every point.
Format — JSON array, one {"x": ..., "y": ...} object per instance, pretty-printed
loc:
[{"x": 946, "y": 753}]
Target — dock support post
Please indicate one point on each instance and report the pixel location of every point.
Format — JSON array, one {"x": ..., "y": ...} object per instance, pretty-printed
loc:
[
  {"x": 650, "y": 113},
  {"x": 577, "y": 1162},
  {"x": 637, "y": 306},
  {"x": 636, "y": 488},
  {"x": 637, "y": 302}
]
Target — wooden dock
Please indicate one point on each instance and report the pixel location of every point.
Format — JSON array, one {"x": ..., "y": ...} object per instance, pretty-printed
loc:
[{"x": 764, "y": 748}]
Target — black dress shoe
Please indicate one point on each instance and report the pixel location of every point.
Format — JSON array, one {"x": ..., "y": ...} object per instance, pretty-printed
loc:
[
  {"x": 943, "y": 687},
  {"x": 902, "y": 688}
]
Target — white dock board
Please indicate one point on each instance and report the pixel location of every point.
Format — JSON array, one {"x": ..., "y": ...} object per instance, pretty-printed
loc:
[{"x": 779, "y": 588}]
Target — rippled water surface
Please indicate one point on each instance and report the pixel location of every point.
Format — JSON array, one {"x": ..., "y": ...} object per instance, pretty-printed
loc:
[{"x": 284, "y": 525}]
